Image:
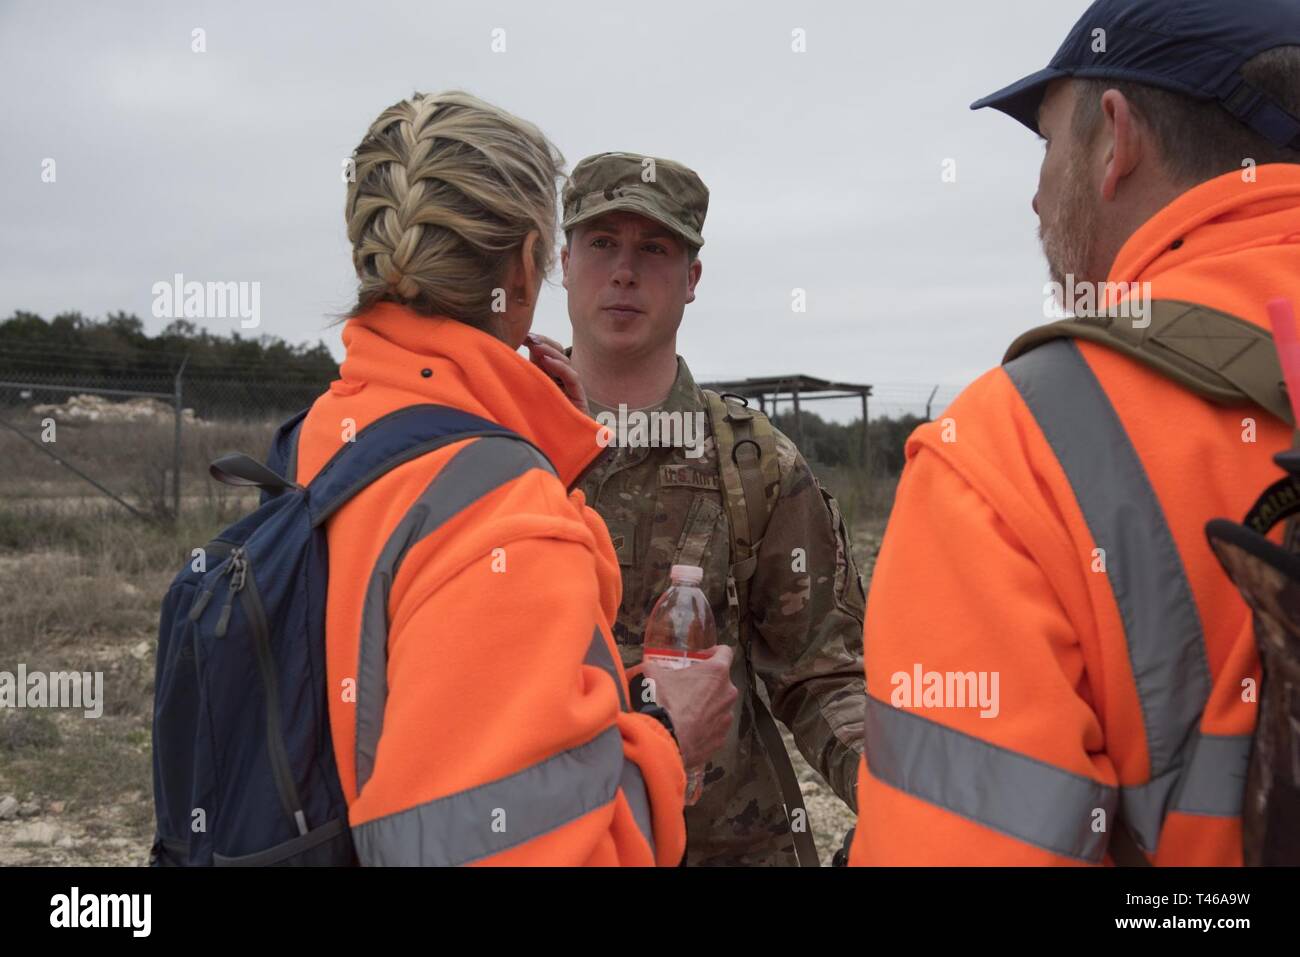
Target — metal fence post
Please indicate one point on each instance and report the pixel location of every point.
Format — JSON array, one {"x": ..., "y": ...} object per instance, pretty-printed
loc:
[
  {"x": 866, "y": 445},
  {"x": 176, "y": 442}
]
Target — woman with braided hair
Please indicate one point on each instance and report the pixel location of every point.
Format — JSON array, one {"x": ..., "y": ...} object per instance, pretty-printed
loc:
[{"x": 501, "y": 728}]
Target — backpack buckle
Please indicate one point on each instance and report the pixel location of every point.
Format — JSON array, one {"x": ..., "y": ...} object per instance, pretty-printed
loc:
[{"x": 733, "y": 597}]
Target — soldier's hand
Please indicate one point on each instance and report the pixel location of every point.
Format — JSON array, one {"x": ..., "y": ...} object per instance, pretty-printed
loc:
[
  {"x": 699, "y": 701},
  {"x": 548, "y": 355}
]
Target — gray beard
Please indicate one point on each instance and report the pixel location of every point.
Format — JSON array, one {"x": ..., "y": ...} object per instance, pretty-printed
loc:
[{"x": 1067, "y": 240}]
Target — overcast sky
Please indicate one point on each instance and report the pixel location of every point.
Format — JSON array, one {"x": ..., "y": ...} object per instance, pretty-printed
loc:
[{"x": 825, "y": 166}]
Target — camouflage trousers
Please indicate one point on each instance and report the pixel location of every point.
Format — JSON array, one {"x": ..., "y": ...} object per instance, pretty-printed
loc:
[{"x": 740, "y": 819}]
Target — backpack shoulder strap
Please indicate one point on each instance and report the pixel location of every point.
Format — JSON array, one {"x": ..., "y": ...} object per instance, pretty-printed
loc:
[
  {"x": 751, "y": 482},
  {"x": 381, "y": 446},
  {"x": 283, "y": 457},
  {"x": 396, "y": 438},
  {"x": 1220, "y": 357}
]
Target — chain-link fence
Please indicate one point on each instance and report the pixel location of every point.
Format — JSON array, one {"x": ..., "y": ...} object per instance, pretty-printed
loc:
[
  {"x": 98, "y": 427},
  {"x": 73, "y": 428}
]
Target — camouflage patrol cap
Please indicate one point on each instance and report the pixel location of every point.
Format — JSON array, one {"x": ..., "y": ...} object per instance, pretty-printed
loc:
[{"x": 659, "y": 189}]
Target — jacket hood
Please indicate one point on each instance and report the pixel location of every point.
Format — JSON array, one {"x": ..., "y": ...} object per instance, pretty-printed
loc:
[{"x": 441, "y": 360}]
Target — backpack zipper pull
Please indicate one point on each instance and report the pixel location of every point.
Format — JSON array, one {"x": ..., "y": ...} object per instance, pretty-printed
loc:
[
  {"x": 224, "y": 621},
  {"x": 239, "y": 574},
  {"x": 205, "y": 596},
  {"x": 200, "y": 603},
  {"x": 238, "y": 571}
]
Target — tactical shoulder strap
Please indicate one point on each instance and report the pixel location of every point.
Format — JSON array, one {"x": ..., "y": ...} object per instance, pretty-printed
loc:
[
  {"x": 1216, "y": 355},
  {"x": 751, "y": 477},
  {"x": 751, "y": 481}
]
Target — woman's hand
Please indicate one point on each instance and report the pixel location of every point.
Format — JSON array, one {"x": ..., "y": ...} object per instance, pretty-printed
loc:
[{"x": 548, "y": 355}]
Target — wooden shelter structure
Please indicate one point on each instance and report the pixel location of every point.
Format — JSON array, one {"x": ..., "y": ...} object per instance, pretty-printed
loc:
[{"x": 798, "y": 388}]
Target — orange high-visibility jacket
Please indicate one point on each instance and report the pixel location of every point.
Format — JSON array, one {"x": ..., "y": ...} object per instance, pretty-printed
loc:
[
  {"x": 479, "y": 711},
  {"x": 1048, "y": 532}
]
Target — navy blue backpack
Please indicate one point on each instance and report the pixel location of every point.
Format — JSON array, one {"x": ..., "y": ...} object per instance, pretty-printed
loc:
[{"x": 243, "y": 759}]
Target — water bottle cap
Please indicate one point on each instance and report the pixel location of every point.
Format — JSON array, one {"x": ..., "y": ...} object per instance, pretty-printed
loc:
[{"x": 687, "y": 574}]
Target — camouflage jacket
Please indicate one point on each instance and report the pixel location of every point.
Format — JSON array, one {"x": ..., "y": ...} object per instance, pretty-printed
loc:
[{"x": 664, "y": 506}]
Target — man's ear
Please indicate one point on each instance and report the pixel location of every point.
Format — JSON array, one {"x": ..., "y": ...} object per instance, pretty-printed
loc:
[
  {"x": 564, "y": 265},
  {"x": 1125, "y": 146},
  {"x": 692, "y": 277}
]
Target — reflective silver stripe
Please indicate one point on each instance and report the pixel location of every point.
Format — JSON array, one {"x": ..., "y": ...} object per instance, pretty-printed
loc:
[
  {"x": 1161, "y": 625},
  {"x": 1215, "y": 780},
  {"x": 1166, "y": 643},
  {"x": 598, "y": 656},
  {"x": 1143, "y": 807},
  {"x": 998, "y": 788},
  {"x": 631, "y": 780},
  {"x": 1212, "y": 783},
  {"x": 482, "y": 466},
  {"x": 477, "y": 823},
  {"x": 638, "y": 799}
]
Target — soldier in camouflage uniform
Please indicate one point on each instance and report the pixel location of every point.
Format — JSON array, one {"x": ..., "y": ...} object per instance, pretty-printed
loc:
[{"x": 665, "y": 506}]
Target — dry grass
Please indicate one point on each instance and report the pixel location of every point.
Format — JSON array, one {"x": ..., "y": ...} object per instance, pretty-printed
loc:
[
  {"x": 80, "y": 588},
  {"x": 864, "y": 503},
  {"x": 134, "y": 460}
]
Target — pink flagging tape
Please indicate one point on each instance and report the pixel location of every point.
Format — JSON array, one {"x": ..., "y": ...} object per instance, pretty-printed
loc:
[{"x": 1282, "y": 317}]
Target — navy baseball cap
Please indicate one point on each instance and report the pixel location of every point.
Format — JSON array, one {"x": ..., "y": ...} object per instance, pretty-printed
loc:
[{"x": 1195, "y": 47}]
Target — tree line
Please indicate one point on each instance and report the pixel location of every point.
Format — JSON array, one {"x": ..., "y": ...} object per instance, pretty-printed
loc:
[
  {"x": 234, "y": 375},
  {"x": 840, "y": 443},
  {"x": 224, "y": 375},
  {"x": 118, "y": 345}
]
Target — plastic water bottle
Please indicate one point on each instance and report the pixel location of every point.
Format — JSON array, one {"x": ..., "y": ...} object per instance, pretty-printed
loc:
[{"x": 680, "y": 631}]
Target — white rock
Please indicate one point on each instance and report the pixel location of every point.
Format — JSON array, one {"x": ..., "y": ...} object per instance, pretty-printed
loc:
[
  {"x": 140, "y": 651},
  {"x": 29, "y": 809},
  {"x": 36, "y": 832},
  {"x": 65, "y": 842},
  {"x": 8, "y": 807}
]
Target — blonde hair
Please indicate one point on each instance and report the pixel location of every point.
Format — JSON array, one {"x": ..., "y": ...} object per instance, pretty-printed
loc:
[{"x": 445, "y": 190}]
